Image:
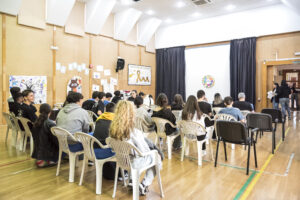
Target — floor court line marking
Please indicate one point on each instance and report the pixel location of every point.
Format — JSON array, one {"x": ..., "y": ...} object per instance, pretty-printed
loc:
[
  {"x": 14, "y": 162},
  {"x": 17, "y": 172},
  {"x": 258, "y": 175},
  {"x": 289, "y": 164}
]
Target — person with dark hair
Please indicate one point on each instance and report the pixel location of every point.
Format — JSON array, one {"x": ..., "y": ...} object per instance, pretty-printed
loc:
[
  {"x": 45, "y": 143},
  {"x": 275, "y": 98},
  {"x": 235, "y": 112},
  {"x": 100, "y": 107},
  {"x": 133, "y": 94},
  {"x": 117, "y": 97},
  {"x": 202, "y": 102},
  {"x": 91, "y": 104},
  {"x": 284, "y": 100},
  {"x": 142, "y": 94},
  {"x": 13, "y": 91},
  {"x": 294, "y": 96},
  {"x": 28, "y": 109},
  {"x": 148, "y": 100},
  {"x": 73, "y": 117},
  {"x": 178, "y": 103},
  {"x": 218, "y": 101},
  {"x": 146, "y": 123},
  {"x": 107, "y": 99},
  {"x": 16, "y": 106},
  {"x": 242, "y": 104}
]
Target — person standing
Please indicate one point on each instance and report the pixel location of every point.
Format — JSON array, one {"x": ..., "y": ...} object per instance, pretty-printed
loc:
[
  {"x": 294, "y": 96},
  {"x": 275, "y": 98},
  {"x": 284, "y": 92}
]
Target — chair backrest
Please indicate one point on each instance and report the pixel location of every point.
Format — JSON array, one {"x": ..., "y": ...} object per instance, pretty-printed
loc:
[
  {"x": 87, "y": 142},
  {"x": 275, "y": 114},
  {"x": 16, "y": 123},
  {"x": 123, "y": 151},
  {"x": 245, "y": 113},
  {"x": 160, "y": 126},
  {"x": 8, "y": 120},
  {"x": 190, "y": 129},
  {"x": 177, "y": 114},
  {"x": 259, "y": 120},
  {"x": 231, "y": 131},
  {"x": 62, "y": 137},
  {"x": 25, "y": 123},
  {"x": 139, "y": 123},
  {"x": 92, "y": 115},
  {"x": 225, "y": 117},
  {"x": 216, "y": 110}
]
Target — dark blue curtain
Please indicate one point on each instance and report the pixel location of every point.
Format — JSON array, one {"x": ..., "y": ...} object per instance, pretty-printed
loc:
[
  {"x": 243, "y": 68},
  {"x": 170, "y": 72}
]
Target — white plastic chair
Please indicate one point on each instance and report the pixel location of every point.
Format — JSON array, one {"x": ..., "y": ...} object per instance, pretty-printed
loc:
[
  {"x": 10, "y": 126},
  {"x": 124, "y": 152},
  {"x": 189, "y": 131},
  {"x": 62, "y": 137},
  {"x": 245, "y": 113},
  {"x": 217, "y": 109},
  {"x": 92, "y": 115},
  {"x": 19, "y": 130},
  {"x": 88, "y": 142},
  {"x": 225, "y": 117},
  {"x": 26, "y": 133},
  {"x": 160, "y": 133},
  {"x": 177, "y": 114}
]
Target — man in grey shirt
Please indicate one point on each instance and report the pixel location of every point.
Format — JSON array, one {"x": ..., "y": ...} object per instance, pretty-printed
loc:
[{"x": 235, "y": 112}]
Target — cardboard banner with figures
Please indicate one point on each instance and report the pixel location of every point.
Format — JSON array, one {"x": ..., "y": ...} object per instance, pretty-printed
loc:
[
  {"x": 75, "y": 84},
  {"x": 139, "y": 75}
]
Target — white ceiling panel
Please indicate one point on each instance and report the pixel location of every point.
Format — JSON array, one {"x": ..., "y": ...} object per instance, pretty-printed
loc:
[
  {"x": 58, "y": 11},
  {"x": 11, "y": 7},
  {"x": 146, "y": 29},
  {"x": 97, "y": 12},
  {"x": 293, "y": 4},
  {"x": 124, "y": 22}
]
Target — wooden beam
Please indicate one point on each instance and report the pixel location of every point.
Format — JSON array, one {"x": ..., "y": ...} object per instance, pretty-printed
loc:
[
  {"x": 4, "y": 91},
  {"x": 90, "y": 63},
  {"x": 54, "y": 67}
]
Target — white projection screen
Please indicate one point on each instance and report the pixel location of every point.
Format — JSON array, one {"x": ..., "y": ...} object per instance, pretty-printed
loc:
[{"x": 202, "y": 61}]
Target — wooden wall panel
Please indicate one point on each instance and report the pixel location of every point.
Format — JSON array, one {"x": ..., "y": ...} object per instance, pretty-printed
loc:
[
  {"x": 28, "y": 52},
  {"x": 1, "y": 108},
  {"x": 32, "y": 13},
  {"x": 72, "y": 49},
  {"x": 266, "y": 47},
  {"x": 75, "y": 22},
  {"x": 148, "y": 59},
  {"x": 108, "y": 27}
]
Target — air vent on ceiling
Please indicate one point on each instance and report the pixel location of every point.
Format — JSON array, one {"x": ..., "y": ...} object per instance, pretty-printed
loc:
[{"x": 201, "y": 2}]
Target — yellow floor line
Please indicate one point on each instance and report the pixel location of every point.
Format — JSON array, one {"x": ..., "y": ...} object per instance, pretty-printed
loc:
[{"x": 258, "y": 175}]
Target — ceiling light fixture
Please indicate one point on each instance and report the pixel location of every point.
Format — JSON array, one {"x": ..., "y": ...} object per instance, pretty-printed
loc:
[
  {"x": 230, "y": 7},
  {"x": 180, "y": 4},
  {"x": 150, "y": 12}
]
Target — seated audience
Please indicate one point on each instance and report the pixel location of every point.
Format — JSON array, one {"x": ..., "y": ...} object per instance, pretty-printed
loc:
[
  {"x": 242, "y": 104},
  {"x": 13, "y": 92},
  {"x": 108, "y": 97},
  {"x": 117, "y": 97},
  {"x": 235, "y": 112},
  {"x": 148, "y": 100},
  {"x": 142, "y": 94},
  {"x": 142, "y": 114},
  {"x": 122, "y": 128},
  {"x": 202, "y": 102},
  {"x": 72, "y": 117},
  {"x": 100, "y": 106},
  {"x": 133, "y": 94},
  {"x": 45, "y": 143},
  {"x": 91, "y": 104},
  {"x": 178, "y": 103},
  {"x": 16, "y": 106},
  {"x": 218, "y": 101},
  {"x": 28, "y": 109}
]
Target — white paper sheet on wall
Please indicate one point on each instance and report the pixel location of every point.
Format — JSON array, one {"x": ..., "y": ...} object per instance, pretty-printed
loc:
[
  {"x": 79, "y": 68},
  {"x": 83, "y": 66},
  {"x": 71, "y": 67},
  {"x": 74, "y": 65},
  {"x": 63, "y": 69},
  {"x": 107, "y": 72},
  {"x": 58, "y": 66},
  {"x": 96, "y": 75},
  {"x": 113, "y": 81},
  {"x": 103, "y": 81},
  {"x": 95, "y": 87},
  {"x": 86, "y": 71},
  {"x": 99, "y": 68}
]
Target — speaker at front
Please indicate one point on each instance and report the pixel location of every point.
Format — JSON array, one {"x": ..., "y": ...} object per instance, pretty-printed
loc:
[{"x": 120, "y": 64}]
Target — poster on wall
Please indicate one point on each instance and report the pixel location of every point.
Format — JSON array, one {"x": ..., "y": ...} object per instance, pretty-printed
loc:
[
  {"x": 75, "y": 84},
  {"x": 139, "y": 75},
  {"x": 38, "y": 84}
]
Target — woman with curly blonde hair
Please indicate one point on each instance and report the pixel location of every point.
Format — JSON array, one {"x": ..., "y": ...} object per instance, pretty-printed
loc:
[{"x": 122, "y": 128}]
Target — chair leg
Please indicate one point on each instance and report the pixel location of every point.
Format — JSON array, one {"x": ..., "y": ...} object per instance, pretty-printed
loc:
[
  {"x": 273, "y": 142},
  {"x": 82, "y": 170},
  {"x": 159, "y": 180},
  {"x": 283, "y": 132},
  {"x": 169, "y": 147},
  {"x": 99, "y": 166},
  {"x": 255, "y": 158},
  {"x": 183, "y": 149},
  {"x": 116, "y": 181},
  {"x": 21, "y": 141},
  {"x": 31, "y": 145},
  {"x": 72, "y": 158},
  {"x": 123, "y": 176},
  {"x": 7, "y": 130},
  {"x": 224, "y": 144},
  {"x": 199, "y": 147},
  {"x": 135, "y": 184},
  {"x": 248, "y": 159},
  {"x": 59, "y": 161},
  {"x": 217, "y": 151},
  {"x": 211, "y": 151},
  {"x": 24, "y": 143},
  {"x": 256, "y": 135},
  {"x": 15, "y": 137}
]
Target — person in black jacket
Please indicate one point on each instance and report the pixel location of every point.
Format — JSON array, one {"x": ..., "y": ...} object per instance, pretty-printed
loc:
[
  {"x": 16, "y": 106},
  {"x": 294, "y": 96},
  {"x": 100, "y": 107},
  {"x": 218, "y": 101},
  {"x": 284, "y": 100},
  {"x": 117, "y": 97},
  {"x": 91, "y": 104},
  {"x": 242, "y": 104},
  {"x": 13, "y": 91},
  {"x": 178, "y": 103},
  {"x": 45, "y": 143},
  {"x": 275, "y": 98},
  {"x": 28, "y": 110},
  {"x": 133, "y": 94}
]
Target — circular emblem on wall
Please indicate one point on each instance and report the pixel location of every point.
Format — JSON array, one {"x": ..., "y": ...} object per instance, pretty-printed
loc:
[
  {"x": 208, "y": 81},
  {"x": 74, "y": 84}
]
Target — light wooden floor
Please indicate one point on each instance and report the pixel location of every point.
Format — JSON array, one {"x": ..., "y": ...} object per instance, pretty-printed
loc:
[{"x": 20, "y": 179}]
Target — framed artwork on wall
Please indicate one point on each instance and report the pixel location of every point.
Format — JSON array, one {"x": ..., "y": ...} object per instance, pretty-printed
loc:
[{"x": 139, "y": 75}]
